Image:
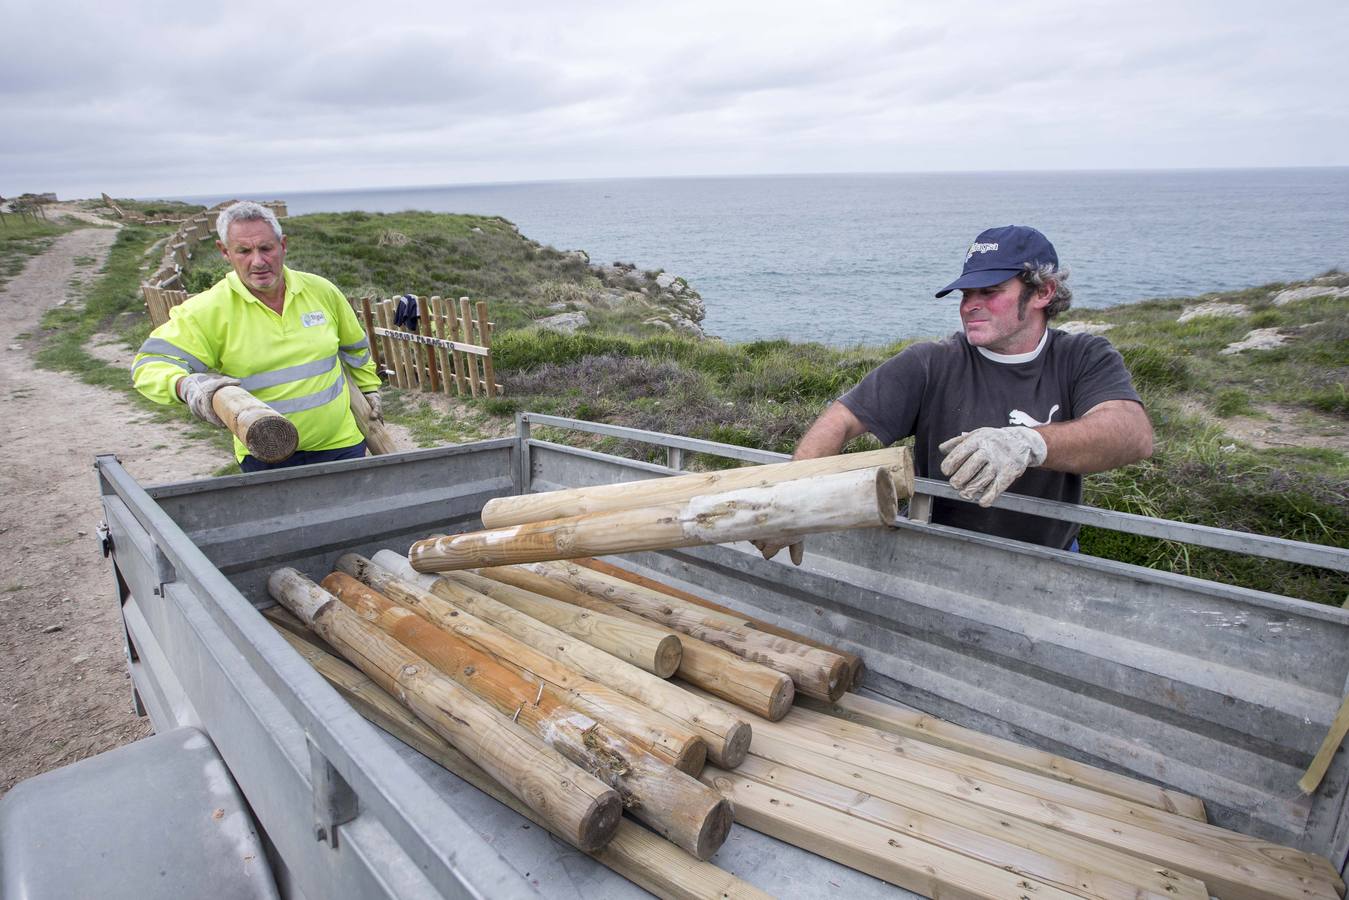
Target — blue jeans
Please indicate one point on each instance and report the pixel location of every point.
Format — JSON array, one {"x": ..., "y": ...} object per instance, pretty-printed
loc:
[{"x": 304, "y": 458}]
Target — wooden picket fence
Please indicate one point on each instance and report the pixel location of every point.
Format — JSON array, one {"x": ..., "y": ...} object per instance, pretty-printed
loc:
[
  {"x": 158, "y": 302},
  {"x": 450, "y": 352}
]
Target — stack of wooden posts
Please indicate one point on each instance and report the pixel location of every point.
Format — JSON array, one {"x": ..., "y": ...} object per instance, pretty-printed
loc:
[
  {"x": 551, "y": 676},
  {"x": 158, "y": 302},
  {"x": 450, "y": 351}
]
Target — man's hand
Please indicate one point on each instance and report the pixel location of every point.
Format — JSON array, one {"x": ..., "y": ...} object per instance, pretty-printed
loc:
[
  {"x": 990, "y": 459},
  {"x": 770, "y": 549},
  {"x": 197, "y": 390},
  {"x": 376, "y": 406}
]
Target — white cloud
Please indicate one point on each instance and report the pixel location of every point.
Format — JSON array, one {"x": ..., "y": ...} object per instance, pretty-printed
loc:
[{"x": 146, "y": 98}]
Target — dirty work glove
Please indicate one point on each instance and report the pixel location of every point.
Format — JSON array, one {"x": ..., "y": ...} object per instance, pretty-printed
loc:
[
  {"x": 376, "y": 405},
  {"x": 990, "y": 459},
  {"x": 770, "y": 548},
  {"x": 197, "y": 390}
]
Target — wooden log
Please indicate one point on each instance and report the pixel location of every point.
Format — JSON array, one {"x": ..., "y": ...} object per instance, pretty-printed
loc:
[
  {"x": 664, "y": 738},
  {"x": 584, "y": 810},
  {"x": 635, "y": 853},
  {"x": 853, "y": 661},
  {"x": 466, "y": 317},
  {"x": 749, "y": 685},
  {"x": 432, "y": 363},
  {"x": 1232, "y": 866},
  {"x": 437, "y": 325},
  {"x": 854, "y": 499},
  {"x": 920, "y": 867},
  {"x": 369, "y": 319},
  {"x": 923, "y": 727},
  {"x": 674, "y": 804},
  {"x": 268, "y": 435},
  {"x": 451, "y": 320},
  {"x": 725, "y": 734},
  {"x": 815, "y": 672},
  {"x": 636, "y": 643},
  {"x": 485, "y": 340},
  {"x": 377, "y": 437},
  {"x": 502, "y": 511}
]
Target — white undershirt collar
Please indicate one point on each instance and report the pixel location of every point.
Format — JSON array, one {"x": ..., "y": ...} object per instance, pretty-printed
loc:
[{"x": 1008, "y": 359}]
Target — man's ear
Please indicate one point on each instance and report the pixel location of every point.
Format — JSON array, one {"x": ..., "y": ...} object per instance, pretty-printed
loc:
[
  {"x": 1043, "y": 295},
  {"x": 221, "y": 247}
]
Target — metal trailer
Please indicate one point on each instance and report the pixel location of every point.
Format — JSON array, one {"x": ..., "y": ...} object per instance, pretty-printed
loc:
[{"x": 1215, "y": 690}]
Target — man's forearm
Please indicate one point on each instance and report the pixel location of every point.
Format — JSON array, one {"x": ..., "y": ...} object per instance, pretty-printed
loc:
[
  {"x": 831, "y": 431},
  {"x": 1112, "y": 434}
]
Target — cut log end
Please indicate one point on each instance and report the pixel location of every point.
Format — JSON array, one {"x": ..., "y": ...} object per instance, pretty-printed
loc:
[
  {"x": 736, "y": 746},
  {"x": 781, "y": 699},
  {"x": 600, "y": 821},
  {"x": 692, "y": 757},
  {"x": 272, "y": 439},
  {"x": 716, "y": 828},
  {"x": 669, "y": 653},
  {"x": 887, "y": 494}
]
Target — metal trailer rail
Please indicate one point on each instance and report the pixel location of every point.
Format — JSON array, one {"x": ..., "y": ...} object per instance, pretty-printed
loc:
[{"x": 1217, "y": 690}]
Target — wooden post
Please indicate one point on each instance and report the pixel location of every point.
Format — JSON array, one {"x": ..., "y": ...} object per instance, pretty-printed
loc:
[
  {"x": 268, "y": 435},
  {"x": 451, "y": 320},
  {"x": 391, "y": 346},
  {"x": 466, "y": 316},
  {"x": 368, "y": 318},
  {"x": 815, "y": 672},
  {"x": 672, "y": 803},
  {"x": 853, "y": 661},
  {"x": 377, "y": 437},
  {"x": 859, "y": 499},
  {"x": 681, "y": 747},
  {"x": 485, "y": 339},
  {"x": 437, "y": 324},
  {"x": 516, "y": 510},
  {"x": 634, "y": 852},
  {"x": 726, "y": 733},
  {"x": 583, "y": 809},
  {"x": 432, "y": 354}
]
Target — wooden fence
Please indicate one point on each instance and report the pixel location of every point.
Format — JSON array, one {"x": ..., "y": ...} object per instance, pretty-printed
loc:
[
  {"x": 158, "y": 302},
  {"x": 450, "y": 352}
]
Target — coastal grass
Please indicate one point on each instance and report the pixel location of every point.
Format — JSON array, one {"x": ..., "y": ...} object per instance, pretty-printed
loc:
[{"x": 22, "y": 238}]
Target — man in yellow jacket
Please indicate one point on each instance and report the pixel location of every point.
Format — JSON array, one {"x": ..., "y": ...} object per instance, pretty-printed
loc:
[{"x": 288, "y": 338}]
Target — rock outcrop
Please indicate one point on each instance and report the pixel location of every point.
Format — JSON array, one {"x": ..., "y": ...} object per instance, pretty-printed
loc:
[{"x": 655, "y": 299}]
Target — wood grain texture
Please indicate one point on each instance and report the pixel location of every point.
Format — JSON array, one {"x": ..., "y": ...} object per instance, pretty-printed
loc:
[{"x": 268, "y": 435}]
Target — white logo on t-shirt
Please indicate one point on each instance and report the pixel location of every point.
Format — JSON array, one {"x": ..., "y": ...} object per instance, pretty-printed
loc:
[
  {"x": 310, "y": 319},
  {"x": 1017, "y": 417}
]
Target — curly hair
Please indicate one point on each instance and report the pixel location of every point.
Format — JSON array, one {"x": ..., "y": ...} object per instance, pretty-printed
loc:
[{"x": 1036, "y": 275}]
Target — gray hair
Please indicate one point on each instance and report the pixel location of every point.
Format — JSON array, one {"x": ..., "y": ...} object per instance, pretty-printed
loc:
[
  {"x": 1036, "y": 275},
  {"x": 245, "y": 211}
]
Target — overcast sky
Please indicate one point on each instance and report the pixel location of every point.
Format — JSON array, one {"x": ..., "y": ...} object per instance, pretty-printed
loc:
[{"x": 142, "y": 98}]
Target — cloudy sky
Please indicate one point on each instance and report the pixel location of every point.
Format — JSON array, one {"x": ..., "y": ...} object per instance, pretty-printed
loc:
[{"x": 141, "y": 98}]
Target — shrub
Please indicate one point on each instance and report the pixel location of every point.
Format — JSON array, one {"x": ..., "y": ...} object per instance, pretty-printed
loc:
[
  {"x": 1233, "y": 402},
  {"x": 1153, "y": 368}
]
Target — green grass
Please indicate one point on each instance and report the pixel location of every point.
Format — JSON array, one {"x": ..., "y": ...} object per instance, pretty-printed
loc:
[{"x": 22, "y": 239}]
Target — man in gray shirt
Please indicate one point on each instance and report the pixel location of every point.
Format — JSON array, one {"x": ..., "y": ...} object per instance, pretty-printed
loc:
[{"x": 1006, "y": 403}]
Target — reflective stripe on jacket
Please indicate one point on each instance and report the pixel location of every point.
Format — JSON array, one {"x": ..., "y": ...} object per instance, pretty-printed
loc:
[{"x": 293, "y": 362}]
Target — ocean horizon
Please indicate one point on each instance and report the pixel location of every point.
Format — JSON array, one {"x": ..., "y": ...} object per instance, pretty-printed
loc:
[{"x": 855, "y": 259}]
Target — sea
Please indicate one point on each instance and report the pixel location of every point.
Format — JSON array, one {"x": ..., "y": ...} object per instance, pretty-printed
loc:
[{"x": 855, "y": 259}]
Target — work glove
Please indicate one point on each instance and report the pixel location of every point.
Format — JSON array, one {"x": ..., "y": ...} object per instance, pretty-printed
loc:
[
  {"x": 376, "y": 405},
  {"x": 197, "y": 390},
  {"x": 990, "y": 459},
  {"x": 770, "y": 549}
]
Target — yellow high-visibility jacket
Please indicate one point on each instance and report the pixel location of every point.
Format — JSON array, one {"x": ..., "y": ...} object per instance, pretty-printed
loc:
[{"x": 293, "y": 362}]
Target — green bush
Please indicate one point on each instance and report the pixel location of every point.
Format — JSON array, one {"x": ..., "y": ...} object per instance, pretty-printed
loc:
[
  {"x": 1233, "y": 402},
  {"x": 1153, "y": 367}
]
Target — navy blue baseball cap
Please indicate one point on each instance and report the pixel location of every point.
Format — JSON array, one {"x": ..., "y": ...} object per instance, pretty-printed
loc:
[{"x": 1001, "y": 253}]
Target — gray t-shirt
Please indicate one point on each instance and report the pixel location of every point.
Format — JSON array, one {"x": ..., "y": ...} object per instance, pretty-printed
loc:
[{"x": 937, "y": 389}]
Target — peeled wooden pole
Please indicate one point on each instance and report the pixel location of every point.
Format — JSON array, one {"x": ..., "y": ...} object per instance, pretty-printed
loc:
[
  {"x": 749, "y": 685},
  {"x": 815, "y": 672},
  {"x": 268, "y": 435},
  {"x": 857, "y": 499},
  {"x": 377, "y": 437},
  {"x": 726, "y": 735},
  {"x": 502, "y": 511},
  {"x": 584, "y": 810},
  {"x": 854, "y": 662},
  {"x": 664, "y": 738},
  {"x": 674, "y": 804},
  {"x": 635, "y": 853}
]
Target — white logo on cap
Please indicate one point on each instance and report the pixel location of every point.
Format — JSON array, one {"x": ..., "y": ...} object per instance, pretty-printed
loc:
[{"x": 979, "y": 248}]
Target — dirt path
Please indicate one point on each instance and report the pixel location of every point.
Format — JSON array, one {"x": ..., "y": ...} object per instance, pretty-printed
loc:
[{"x": 64, "y": 691}]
